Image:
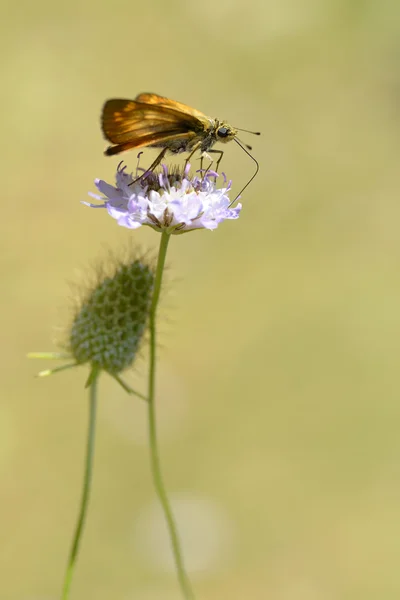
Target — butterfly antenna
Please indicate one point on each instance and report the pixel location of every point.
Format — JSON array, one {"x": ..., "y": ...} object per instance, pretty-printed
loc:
[
  {"x": 257, "y": 168},
  {"x": 252, "y": 133},
  {"x": 247, "y": 131}
]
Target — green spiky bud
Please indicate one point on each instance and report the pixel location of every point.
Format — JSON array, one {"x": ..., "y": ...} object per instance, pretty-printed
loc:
[{"x": 111, "y": 319}]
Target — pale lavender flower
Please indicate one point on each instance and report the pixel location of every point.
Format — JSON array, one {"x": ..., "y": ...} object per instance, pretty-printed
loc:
[{"x": 171, "y": 201}]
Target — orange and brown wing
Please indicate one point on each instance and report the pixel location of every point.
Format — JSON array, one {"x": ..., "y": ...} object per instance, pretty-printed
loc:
[
  {"x": 132, "y": 124},
  {"x": 156, "y": 100},
  {"x": 149, "y": 140}
]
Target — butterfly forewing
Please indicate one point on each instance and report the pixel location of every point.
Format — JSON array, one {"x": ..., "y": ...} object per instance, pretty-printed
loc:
[
  {"x": 129, "y": 120},
  {"x": 157, "y": 100}
]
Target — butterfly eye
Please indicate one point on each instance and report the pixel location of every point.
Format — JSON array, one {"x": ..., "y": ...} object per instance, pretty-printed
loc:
[{"x": 223, "y": 132}]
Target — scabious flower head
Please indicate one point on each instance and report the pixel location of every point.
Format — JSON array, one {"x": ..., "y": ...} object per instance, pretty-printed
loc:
[
  {"x": 171, "y": 200},
  {"x": 111, "y": 317}
]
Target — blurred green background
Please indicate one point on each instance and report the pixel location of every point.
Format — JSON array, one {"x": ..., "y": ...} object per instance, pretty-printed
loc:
[{"x": 278, "y": 383}]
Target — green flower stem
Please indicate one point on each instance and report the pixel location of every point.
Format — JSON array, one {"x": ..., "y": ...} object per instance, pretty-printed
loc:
[
  {"x": 93, "y": 378},
  {"x": 154, "y": 453}
]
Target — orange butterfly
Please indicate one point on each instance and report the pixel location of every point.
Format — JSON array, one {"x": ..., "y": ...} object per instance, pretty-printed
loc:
[{"x": 157, "y": 122}]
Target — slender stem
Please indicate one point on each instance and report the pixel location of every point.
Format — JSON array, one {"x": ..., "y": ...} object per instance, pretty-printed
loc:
[
  {"x": 154, "y": 453},
  {"x": 86, "y": 483}
]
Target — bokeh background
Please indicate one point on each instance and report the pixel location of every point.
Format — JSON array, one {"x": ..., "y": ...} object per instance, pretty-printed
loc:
[{"x": 278, "y": 387}]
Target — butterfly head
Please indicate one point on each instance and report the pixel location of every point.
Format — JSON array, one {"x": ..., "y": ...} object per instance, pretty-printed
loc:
[{"x": 224, "y": 132}]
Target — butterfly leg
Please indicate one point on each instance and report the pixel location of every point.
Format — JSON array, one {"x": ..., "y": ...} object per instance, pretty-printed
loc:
[
  {"x": 204, "y": 172},
  {"x": 195, "y": 148},
  {"x": 152, "y": 166},
  {"x": 220, "y": 152}
]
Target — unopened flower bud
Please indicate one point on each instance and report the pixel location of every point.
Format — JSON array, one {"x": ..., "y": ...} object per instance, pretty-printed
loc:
[{"x": 110, "y": 321}]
